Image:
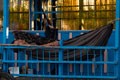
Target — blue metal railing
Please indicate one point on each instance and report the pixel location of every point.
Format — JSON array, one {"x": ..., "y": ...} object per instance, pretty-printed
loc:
[
  {"x": 62, "y": 64},
  {"x": 62, "y": 67},
  {"x": 89, "y": 68}
]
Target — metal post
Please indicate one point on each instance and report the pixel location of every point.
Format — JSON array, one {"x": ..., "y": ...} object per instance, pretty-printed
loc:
[
  {"x": 5, "y": 20},
  {"x": 37, "y": 14},
  {"x": 80, "y": 14},
  {"x": 54, "y": 14},
  {"x": 30, "y": 15},
  {"x": 5, "y": 28},
  {"x": 117, "y": 38},
  {"x": 60, "y": 67}
]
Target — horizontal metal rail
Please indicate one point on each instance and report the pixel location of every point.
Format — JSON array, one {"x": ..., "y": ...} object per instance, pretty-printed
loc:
[
  {"x": 56, "y": 47},
  {"x": 68, "y": 76},
  {"x": 70, "y": 62}
]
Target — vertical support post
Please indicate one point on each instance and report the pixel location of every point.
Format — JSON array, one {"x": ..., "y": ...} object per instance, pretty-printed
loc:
[
  {"x": 54, "y": 14},
  {"x": 39, "y": 7},
  {"x": 80, "y": 14},
  {"x": 0, "y": 59},
  {"x": 117, "y": 38},
  {"x": 60, "y": 67},
  {"x": 37, "y": 14},
  {"x": 30, "y": 15},
  {"x": 117, "y": 43},
  {"x": 5, "y": 20},
  {"x": 4, "y": 58},
  {"x": 41, "y": 20},
  {"x": 5, "y": 28}
]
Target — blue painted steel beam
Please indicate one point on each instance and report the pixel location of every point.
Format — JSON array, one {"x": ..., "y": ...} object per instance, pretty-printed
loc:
[
  {"x": 117, "y": 38},
  {"x": 5, "y": 28},
  {"x": 117, "y": 35},
  {"x": 58, "y": 47},
  {"x": 60, "y": 67},
  {"x": 60, "y": 62},
  {"x": 68, "y": 76},
  {"x": 5, "y": 19}
]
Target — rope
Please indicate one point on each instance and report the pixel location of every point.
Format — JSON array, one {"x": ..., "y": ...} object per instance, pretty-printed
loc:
[{"x": 113, "y": 21}]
